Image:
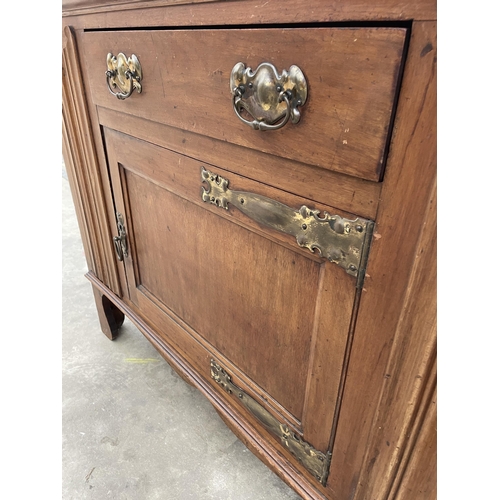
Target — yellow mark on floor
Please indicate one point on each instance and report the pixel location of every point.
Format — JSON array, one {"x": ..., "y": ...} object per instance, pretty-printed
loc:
[{"x": 141, "y": 360}]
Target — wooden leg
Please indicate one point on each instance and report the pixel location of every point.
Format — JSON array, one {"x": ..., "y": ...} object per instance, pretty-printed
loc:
[{"x": 110, "y": 317}]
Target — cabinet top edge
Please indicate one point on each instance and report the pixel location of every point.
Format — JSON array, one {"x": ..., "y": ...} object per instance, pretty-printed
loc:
[
  {"x": 197, "y": 12},
  {"x": 69, "y": 6}
]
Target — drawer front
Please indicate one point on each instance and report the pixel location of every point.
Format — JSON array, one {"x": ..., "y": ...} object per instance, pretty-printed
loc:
[{"x": 351, "y": 76}]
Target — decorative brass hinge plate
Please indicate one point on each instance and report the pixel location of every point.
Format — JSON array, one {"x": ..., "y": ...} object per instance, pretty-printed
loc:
[
  {"x": 342, "y": 241},
  {"x": 316, "y": 462}
]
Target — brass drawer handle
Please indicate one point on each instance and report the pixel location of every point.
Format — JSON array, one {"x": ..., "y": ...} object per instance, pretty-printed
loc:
[
  {"x": 271, "y": 99},
  {"x": 124, "y": 74}
]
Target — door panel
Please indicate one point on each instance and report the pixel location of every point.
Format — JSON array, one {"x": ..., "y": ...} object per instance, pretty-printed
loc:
[
  {"x": 207, "y": 277},
  {"x": 219, "y": 285}
]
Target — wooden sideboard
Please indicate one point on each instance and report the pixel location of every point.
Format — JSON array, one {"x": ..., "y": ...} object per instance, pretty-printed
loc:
[{"x": 255, "y": 184}]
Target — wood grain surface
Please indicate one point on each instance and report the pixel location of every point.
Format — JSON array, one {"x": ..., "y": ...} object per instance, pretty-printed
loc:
[
  {"x": 362, "y": 374},
  {"x": 343, "y": 192},
  {"x": 352, "y": 76},
  {"x": 183, "y": 12},
  {"x": 256, "y": 438},
  {"x": 271, "y": 311},
  {"x": 407, "y": 206},
  {"x": 79, "y": 152}
]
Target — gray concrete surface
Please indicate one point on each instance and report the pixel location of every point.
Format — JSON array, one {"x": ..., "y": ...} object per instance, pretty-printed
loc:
[{"x": 132, "y": 429}]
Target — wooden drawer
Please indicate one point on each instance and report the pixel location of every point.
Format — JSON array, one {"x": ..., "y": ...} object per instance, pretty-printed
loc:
[{"x": 352, "y": 77}]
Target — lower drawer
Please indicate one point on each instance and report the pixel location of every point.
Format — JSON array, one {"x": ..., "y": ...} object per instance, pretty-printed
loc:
[{"x": 253, "y": 312}]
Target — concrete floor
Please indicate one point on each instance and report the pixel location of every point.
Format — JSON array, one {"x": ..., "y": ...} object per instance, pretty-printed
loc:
[{"x": 132, "y": 429}]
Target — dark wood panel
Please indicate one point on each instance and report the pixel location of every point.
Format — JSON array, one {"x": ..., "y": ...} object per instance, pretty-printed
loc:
[
  {"x": 252, "y": 299},
  {"x": 352, "y": 74}
]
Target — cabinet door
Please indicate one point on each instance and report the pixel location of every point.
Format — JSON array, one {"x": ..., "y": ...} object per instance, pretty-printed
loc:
[{"x": 223, "y": 289}]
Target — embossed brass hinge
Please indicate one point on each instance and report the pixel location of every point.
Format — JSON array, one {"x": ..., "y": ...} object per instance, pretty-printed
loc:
[
  {"x": 342, "y": 241},
  {"x": 316, "y": 462}
]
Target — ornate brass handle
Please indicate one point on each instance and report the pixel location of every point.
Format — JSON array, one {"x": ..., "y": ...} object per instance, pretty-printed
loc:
[
  {"x": 271, "y": 99},
  {"x": 120, "y": 241},
  {"x": 124, "y": 74}
]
